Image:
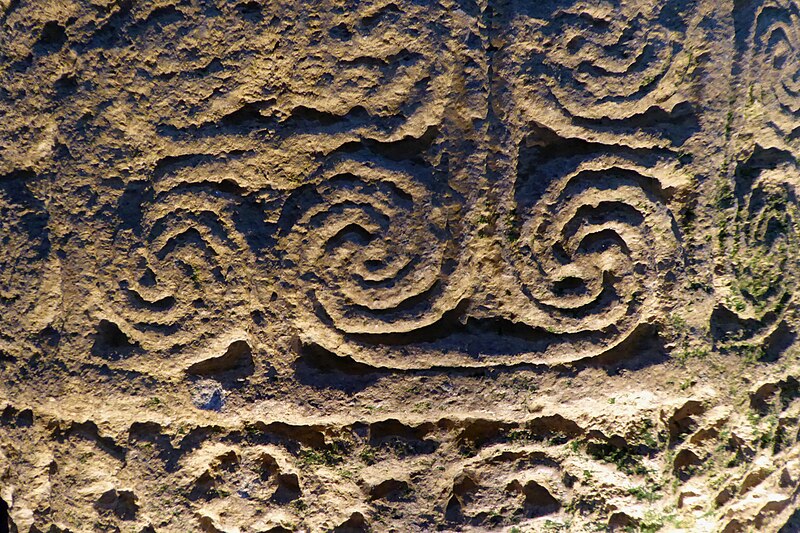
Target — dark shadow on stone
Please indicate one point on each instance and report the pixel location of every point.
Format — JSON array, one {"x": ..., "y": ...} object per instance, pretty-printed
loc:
[
  {"x": 778, "y": 342},
  {"x": 725, "y": 324},
  {"x": 453, "y": 511},
  {"x": 677, "y": 125},
  {"x": 463, "y": 488},
  {"x": 682, "y": 421},
  {"x": 230, "y": 368},
  {"x": 14, "y": 418},
  {"x": 5, "y": 518},
  {"x": 357, "y": 523},
  {"x": 480, "y": 432},
  {"x": 760, "y": 160},
  {"x": 389, "y": 489},
  {"x": 554, "y": 428},
  {"x": 538, "y": 500},
  {"x": 392, "y": 427},
  {"x": 641, "y": 349},
  {"x": 685, "y": 464},
  {"x": 288, "y": 488},
  {"x": 251, "y": 10},
  {"x": 484, "y": 338},
  {"x": 121, "y": 503},
  {"x": 35, "y": 219},
  {"x": 52, "y": 38},
  {"x": 111, "y": 343},
  {"x": 152, "y": 434},
  {"x": 793, "y": 524},
  {"x": 318, "y": 367},
  {"x": 50, "y": 336},
  {"x": 620, "y": 521},
  {"x": 292, "y": 437},
  {"x": 403, "y": 440},
  {"x": 89, "y": 432}
]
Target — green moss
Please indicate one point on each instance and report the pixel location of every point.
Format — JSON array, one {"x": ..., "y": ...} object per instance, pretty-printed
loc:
[
  {"x": 623, "y": 458},
  {"x": 328, "y": 456},
  {"x": 723, "y": 195},
  {"x": 646, "y": 493}
]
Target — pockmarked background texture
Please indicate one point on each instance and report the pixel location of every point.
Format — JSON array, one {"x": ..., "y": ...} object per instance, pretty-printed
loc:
[{"x": 273, "y": 265}]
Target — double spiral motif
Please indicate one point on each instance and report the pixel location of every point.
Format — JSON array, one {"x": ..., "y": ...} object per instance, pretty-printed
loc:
[{"x": 371, "y": 253}]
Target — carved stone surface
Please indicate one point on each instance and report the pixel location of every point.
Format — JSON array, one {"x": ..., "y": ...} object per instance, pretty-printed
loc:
[{"x": 373, "y": 265}]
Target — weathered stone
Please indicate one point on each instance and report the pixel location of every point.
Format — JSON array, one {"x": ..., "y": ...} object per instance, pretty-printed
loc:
[{"x": 390, "y": 265}]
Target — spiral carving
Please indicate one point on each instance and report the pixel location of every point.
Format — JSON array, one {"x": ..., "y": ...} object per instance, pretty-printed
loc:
[
  {"x": 610, "y": 59},
  {"x": 765, "y": 248},
  {"x": 180, "y": 270},
  {"x": 775, "y": 62},
  {"x": 594, "y": 250},
  {"x": 372, "y": 247}
]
